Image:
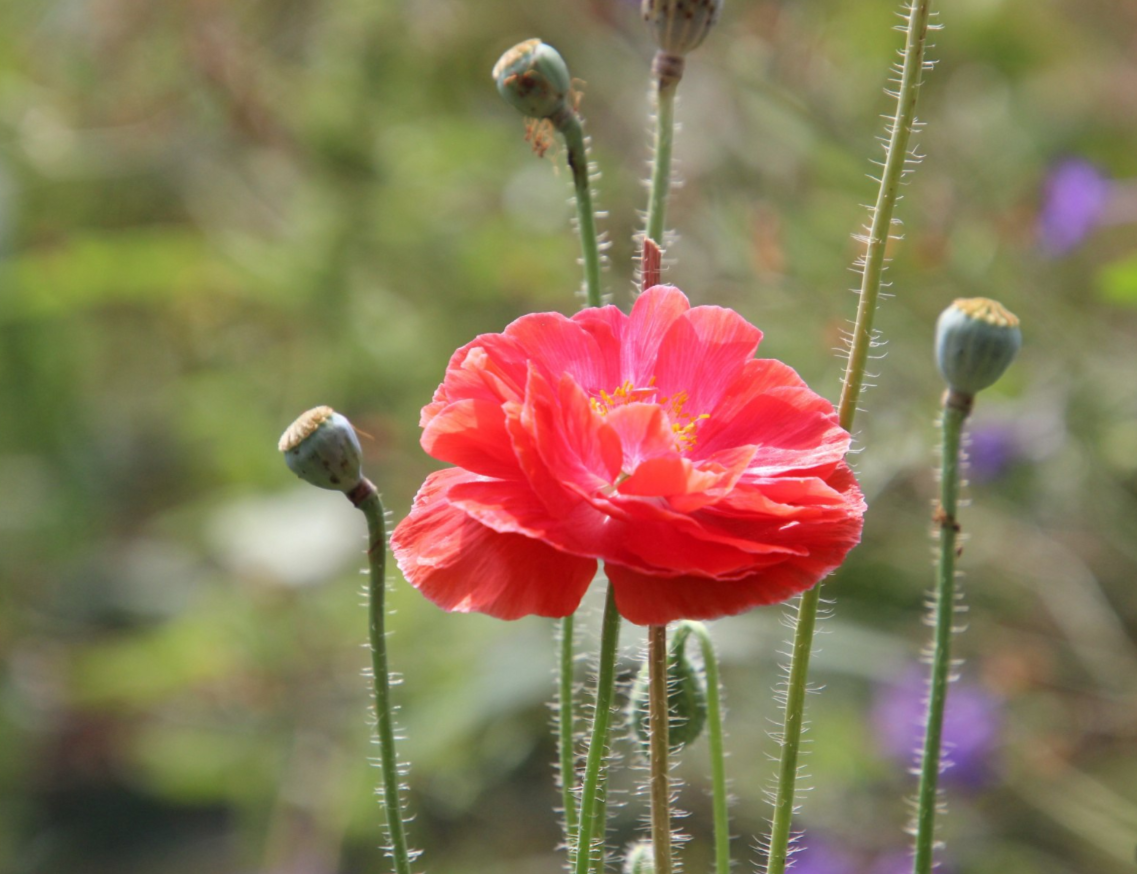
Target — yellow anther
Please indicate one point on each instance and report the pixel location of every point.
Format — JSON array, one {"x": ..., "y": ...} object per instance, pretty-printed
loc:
[{"x": 683, "y": 424}]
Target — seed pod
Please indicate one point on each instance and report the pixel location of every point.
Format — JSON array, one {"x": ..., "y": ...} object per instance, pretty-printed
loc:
[
  {"x": 321, "y": 448},
  {"x": 686, "y": 698},
  {"x": 533, "y": 79},
  {"x": 976, "y": 340},
  {"x": 680, "y": 25}
]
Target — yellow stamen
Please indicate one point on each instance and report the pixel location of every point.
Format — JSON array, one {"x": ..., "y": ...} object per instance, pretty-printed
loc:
[{"x": 683, "y": 424}]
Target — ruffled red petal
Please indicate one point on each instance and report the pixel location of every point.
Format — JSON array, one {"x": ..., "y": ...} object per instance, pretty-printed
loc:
[
  {"x": 655, "y": 600},
  {"x": 464, "y": 566}
]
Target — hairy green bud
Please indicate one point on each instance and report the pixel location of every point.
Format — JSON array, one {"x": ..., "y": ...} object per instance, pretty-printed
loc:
[
  {"x": 534, "y": 80},
  {"x": 680, "y": 26},
  {"x": 976, "y": 341},
  {"x": 686, "y": 697},
  {"x": 321, "y": 448}
]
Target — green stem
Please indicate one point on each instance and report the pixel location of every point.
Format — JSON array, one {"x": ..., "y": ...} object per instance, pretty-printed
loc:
[
  {"x": 565, "y": 730},
  {"x": 366, "y": 498},
  {"x": 911, "y": 76},
  {"x": 660, "y": 748},
  {"x": 793, "y": 722},
  {"x": 916, "y": 33},
  {"x": 715, "y": 740},
  {"x": 572, "y": 130},
  {"x": 955, "y": 412},
  {"x": 599, "y": 826},
  {"x": 665, "y": 89},
  {"x": 598, "y": 744}
]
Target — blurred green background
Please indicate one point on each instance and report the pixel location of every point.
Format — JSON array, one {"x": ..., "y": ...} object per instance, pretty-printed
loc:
[{"x": 216, "y": 215}]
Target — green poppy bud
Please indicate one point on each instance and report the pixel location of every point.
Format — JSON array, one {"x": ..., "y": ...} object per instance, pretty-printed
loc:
[
  {"x": 321, "y": 448},
  {"x": 640, "y": 859},
  {"x": 680, "y": 25},
  {"x": 533, "y": 79},
  {"x": 976, "y": 340},
  {"x": 686, "y": 697}
]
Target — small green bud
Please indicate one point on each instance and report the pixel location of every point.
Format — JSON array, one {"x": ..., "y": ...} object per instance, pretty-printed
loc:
[
  {"x": 976, "y": 340},
  {"x": 686, "y": 698},
  {"x": 533, "y": 79},
  {"x": 680, "y": 25},
  {"x": 321, "y": 448},
  {"x": 640, "y": 859}
]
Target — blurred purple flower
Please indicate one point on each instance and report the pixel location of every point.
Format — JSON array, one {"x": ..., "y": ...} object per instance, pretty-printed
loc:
[
  {"x": 1074, "y": 200},
  {"x": 972, "y": 723},
  {"x": 991, "y": 449},
  {"x": 900, "y": 862},
  {"x": 817, "y": 856}
]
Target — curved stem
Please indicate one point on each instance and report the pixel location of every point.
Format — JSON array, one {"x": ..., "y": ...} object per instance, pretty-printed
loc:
[
  {"x": 591, "y": 795},
  {"x": 661, "y": 157},
  {"x": 366, "y": 498},
  {"x": 900, "y": 132},
  {"x": 660, "y": 748},
  {"x": 715, "y": 741},
  {"x": 944, "y": 612},
  {"x": 565, "y": 730},
  {"x": 573, "y": 131}
]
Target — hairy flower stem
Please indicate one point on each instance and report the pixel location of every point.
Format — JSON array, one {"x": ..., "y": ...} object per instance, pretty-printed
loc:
[
  {"x": 569, "y": 124},
  {"x": 715, "y": 741},
  {"x": 565, "y": 729},
  {"x": 792, "y": 724},
  {"x": 366, "y": 498},
  {"x": 666, "y": 72},
  {"x": 900, "y": 132},
  {"x": 956, "y": 409},
  {"x": 571, "y": 128},
  {"x": 590, "y": 829},
  {"x": 660, "y": 748}
]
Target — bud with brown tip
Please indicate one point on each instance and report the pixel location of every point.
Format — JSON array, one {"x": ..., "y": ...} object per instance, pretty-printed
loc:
[
  {"x": 533, "y": 78},
  {"x": 680, "y": 26},
  {"x": 321, "y": 448},
  {"x": 976, "y": 341}
]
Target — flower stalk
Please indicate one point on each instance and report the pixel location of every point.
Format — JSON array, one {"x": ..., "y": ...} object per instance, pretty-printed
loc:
[
  {"x": 321, "y": 448},
  {"x": 589, "y": 850},
  {"x": 896, "y": 159},
  {"x": 660, "y": 747},
  {"x": 956, "y": 408},
  {"x": 666, "y": 72},
  {"x": 565, "y": 729},
  {"x": 533, "y": 78},
  {"x": 976, "y": 340},
  {"x": 679, "y": 27},
  {"x": 366, "y": 498},
  {"x": 572, "y": 129},
  {"x": 715, "y": 742}
]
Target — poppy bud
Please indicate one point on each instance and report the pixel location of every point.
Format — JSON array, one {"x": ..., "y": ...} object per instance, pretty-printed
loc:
[
  {"x": 321, "y": 448},
  {"x": 976, "y": 340},
  {"x": 686, "y": 697},
  {"x": 680, "y": 25},
  {"x": 640, "y": 859},
  {"x": 533, "y": 79}
]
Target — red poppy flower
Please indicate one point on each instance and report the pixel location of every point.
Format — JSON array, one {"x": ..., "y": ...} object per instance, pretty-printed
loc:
[{"x": 708, "y": 481}]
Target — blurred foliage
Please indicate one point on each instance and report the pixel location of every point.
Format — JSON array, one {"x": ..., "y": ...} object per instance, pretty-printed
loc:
[{"x": 214, "y": 216}]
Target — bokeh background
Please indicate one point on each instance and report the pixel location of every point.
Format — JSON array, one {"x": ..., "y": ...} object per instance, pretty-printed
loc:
[{"x": 215, "y": 215}]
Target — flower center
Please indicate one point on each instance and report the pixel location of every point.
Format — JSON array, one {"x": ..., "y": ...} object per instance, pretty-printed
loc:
[{"x": 683, "y": 424}]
